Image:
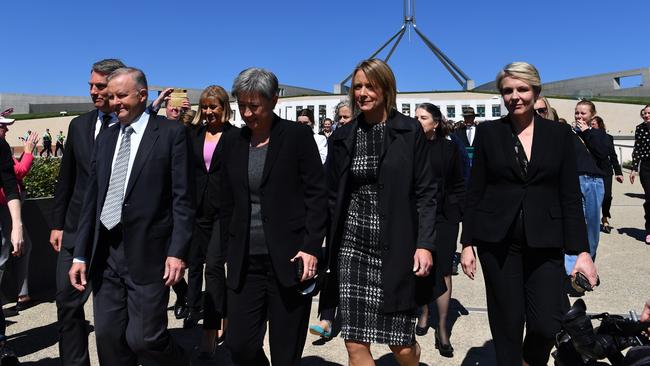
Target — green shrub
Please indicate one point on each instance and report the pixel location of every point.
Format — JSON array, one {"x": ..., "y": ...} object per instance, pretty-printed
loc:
[
  {"x": 41, "y": 180},
  {"x": 627, "y": 164}
]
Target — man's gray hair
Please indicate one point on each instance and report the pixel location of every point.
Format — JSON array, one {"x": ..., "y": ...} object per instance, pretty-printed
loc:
[
  {"x": 107, "y": 66},
  {"x": 343, "y": 103},
  {"x": 255, "y": 80},
  {"x": 136, "y": 74}
]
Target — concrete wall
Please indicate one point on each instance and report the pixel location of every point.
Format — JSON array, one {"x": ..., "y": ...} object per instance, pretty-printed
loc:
[
  {"x": 600, "y": 85},
  {"x": 60, "y": 107},
  {"x": 21, "y": 102}
]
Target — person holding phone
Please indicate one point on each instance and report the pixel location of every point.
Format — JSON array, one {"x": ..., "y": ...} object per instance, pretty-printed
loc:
[{"x": 523, "y": 212}]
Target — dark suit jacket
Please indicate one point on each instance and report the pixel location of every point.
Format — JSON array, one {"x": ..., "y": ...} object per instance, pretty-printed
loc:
[
  {"x": 610, "y": 165},
  {"x": 207, "y": 180},
  {"x": 293, "y": 198},
  {"x": 407, "y": 207},
  {"x": 549, "y": 194},
  {"x": 448, "y": 167},
  {"x": 461, "y": 133},
  {"x": 73, "y": 176},
  {"x": 157, "y": 212}
]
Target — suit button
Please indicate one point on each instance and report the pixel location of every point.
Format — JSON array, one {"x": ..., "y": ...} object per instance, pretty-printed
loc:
[{"x": 265, "y": 219}]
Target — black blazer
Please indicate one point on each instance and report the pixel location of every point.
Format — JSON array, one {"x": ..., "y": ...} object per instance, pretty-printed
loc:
[
  {"x": 293, "y": 198},
  {"x": 448, "y": 168},
  {"x": 207, "y": 180},
  {"x": 73, "y": 176},
  {"x": 157, "y": 213},
  {"x": 550, "y": 193},
  {"x": 462, "y": 135},
  {"x": 610, "y": 165},
  {"x": 407, "y": 208}
]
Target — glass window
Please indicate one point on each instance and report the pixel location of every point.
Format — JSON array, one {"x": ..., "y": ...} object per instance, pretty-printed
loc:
[
  {"x": 451, "y": 111},
  {"x": 496, "y": 110},
  {"x": 298, "y": 109},
  {"x": 406, "y": 109},
  {"x": 322, "y": 113},
  {"x": 480, "y": 110}
]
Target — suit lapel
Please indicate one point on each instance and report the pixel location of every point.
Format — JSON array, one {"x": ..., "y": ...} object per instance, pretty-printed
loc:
[
  {"x": 394, "y": 127},
  {"x": 90, "y": 133},
  {"x": 239, "y": 162},
  {"x": 213, "y": 161},
  {"x": 147, "y": 142},
  {"x": 507, "y": 144},
  {"x": 347, "y": 140},
  {"x": 540, "y": 139},
  {"x": 199, "y": 146},
  {"x": 275, "y": 145}
]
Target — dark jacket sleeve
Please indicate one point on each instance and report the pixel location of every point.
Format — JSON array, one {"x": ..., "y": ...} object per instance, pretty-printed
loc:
[
  {"x": 596, "y": 142},
  {"x": 636, "y": 152},
  {"x": 575, "y": 229},
  {"x": 7, "y": 172},
  {"x": 65, "y": 182},
  {"x": 88, "y": 214},
  {"x": 182, "y": 196},
  {"x": 613, "y": 157},
  {"x": 426, "y": 189},
  {"x": 476, "y": 186},
  {"x": 315, "y": 193},
  {"x": 456, "y": 179}
]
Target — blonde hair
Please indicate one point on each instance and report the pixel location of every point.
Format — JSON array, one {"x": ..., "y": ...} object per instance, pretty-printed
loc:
[
  {"x": 522, "y": 71},
  {"x": 381, "y": 77},
  {"x": 218, "y": 93}
]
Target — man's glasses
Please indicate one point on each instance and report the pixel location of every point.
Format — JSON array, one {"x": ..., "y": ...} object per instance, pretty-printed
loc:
[{"x": 541, "y": 110}]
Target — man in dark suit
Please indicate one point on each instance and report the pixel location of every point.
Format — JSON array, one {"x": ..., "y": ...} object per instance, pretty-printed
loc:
[
  {"x": 467, "y": 133},
  {"x": 70, "y": 189},
  {"x": 135, "y": 228}
]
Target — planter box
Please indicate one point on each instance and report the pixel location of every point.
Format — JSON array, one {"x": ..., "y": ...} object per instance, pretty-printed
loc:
[{"x": 42, "y": 262}]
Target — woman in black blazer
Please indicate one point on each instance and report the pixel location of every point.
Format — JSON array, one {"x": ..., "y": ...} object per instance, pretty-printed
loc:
[
  {"x": 523, "y": 212},
  {"x": 447, "y": 166},
  {"x": 276, "y": 206},
  {"x": 382, "y": 204},
  {"x": 208, "y": 128}
]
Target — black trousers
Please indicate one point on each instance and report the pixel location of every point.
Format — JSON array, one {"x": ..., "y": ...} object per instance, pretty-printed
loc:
[
  {"x": 607, "y": 199},
  {"x": 205, "y": 230},
  {"x": 73, "y": 330},
  {"x": 523, "y": 285},
  {"x": 644, "y": 177},
  {"x": 130, "y": 318},
  {"x": 261, "y": 297}
]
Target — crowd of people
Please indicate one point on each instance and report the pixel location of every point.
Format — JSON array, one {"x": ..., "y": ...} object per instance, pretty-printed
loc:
[{"x": 366, "y": 212}]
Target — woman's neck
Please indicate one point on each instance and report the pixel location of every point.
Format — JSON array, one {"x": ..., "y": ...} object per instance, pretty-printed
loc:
[
  {"x": 375, "y": 116},
  {"x": 520, "y": 123},
  {"x": 215, "y": 127}
]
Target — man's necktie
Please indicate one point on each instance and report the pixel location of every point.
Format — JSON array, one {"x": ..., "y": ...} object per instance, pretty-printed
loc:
[
  {"x": 470, "y": 135},
  {"x": 112, "y": 210},
  {"x": 106, "y": 119}
]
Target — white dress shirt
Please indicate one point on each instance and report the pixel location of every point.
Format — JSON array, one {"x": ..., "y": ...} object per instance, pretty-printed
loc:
[
  {"x": 139, "y": 125},
  {"x": 321, "y": 142},
  {"x": 470, "y": 134}
]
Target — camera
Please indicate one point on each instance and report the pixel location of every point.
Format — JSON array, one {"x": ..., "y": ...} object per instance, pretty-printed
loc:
[{"x": 579, "y": 343}]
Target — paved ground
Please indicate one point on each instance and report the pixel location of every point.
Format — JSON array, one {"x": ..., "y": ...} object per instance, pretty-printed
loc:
[{"x": 622, "y": 262}]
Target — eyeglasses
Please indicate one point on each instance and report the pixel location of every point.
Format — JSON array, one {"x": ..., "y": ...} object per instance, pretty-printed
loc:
[{"x": 541, "y": 110}]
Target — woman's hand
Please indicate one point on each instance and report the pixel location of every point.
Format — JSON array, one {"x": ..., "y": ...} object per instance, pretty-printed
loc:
[
  {"x": 31, "y": 142},
  {"x": 632, "y": 176},
  {"x": 422, "y": 262},
  {"x": 17, "y": 240},
  {"x": 582, "y": 125},
  {"x": 310, "y": 264},
  {"x": 619, "y": 178},
  {"x": 586, "y": 266},
  {"x": 468, "y": 261},
  {"x": 645, "y": 314}
]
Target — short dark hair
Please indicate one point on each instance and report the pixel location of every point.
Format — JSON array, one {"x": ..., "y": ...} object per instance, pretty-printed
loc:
[
  {"x": 107, "y": 66},
  {"x": 307, "y": 113}
]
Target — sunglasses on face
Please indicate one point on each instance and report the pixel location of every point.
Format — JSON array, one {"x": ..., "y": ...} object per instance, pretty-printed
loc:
[{"x": 541, "y": 110}]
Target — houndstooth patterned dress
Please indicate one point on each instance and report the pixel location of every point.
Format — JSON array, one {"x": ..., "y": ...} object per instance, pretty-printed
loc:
[{"x": 360, "y": 262}]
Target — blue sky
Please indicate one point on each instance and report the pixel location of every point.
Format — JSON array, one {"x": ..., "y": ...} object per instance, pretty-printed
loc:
[{"x": 48, "y": 46}]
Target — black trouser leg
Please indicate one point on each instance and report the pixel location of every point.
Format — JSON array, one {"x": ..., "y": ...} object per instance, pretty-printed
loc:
[
  {"x": 644, "y": 177},
  {"x": 607, "y": 199},
  {"x": 523, "y": 284},
  {"x": 214, "y": 301},
  {"x": 73, "y": 331},
  {"x": 196, "y": 259},
  {"x": 259, "y": 297}
]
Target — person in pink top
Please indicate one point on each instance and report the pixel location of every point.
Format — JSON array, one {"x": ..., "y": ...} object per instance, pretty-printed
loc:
[{"x": 21, "y": 267}]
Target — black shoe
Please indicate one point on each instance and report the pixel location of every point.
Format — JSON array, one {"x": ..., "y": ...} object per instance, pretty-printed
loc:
[
  {"x": 192, "y": 319},
  {"x": 180, "y": 308},
  {"x": 24, "y": 305},
  {"x": 421, "y": 331},
  {"x": 445, "y": 350}
]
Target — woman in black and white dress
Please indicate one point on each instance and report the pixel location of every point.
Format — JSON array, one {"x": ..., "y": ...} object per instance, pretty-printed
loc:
[
  {"x": 641, "y": 163},
  {"x": 382, "y": 200}
]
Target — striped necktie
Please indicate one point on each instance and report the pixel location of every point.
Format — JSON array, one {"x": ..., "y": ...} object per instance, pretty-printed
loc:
[{"x": 112, "y": 211}]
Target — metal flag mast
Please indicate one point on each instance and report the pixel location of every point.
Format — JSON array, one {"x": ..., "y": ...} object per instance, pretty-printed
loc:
[{"x": 409, "y": 22}]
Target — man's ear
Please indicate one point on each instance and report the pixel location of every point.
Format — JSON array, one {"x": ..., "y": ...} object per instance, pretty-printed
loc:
[{"x": 144, "y": 93}]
